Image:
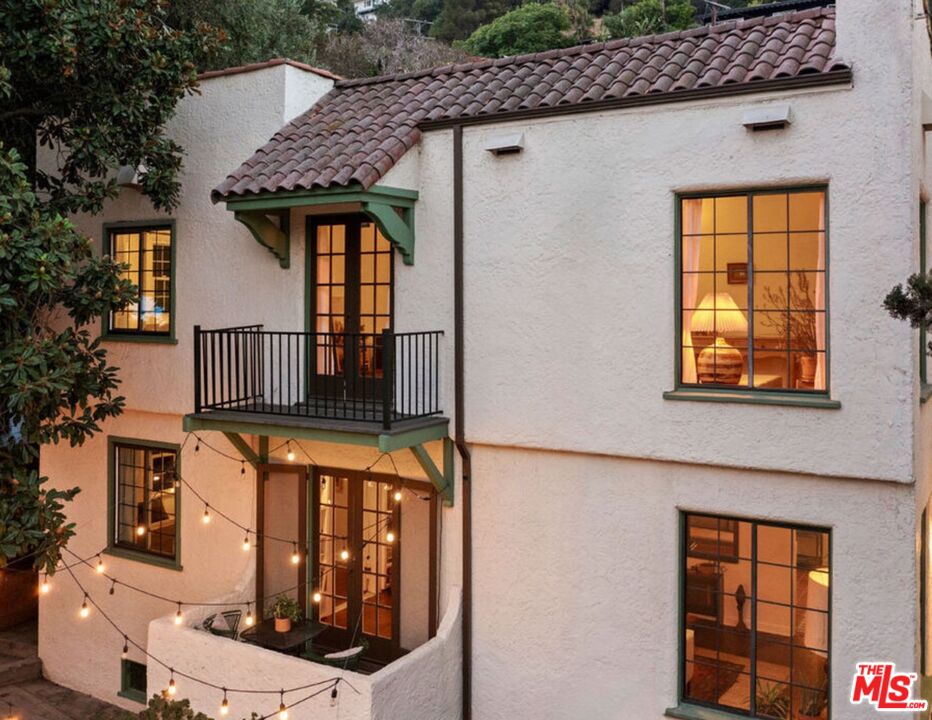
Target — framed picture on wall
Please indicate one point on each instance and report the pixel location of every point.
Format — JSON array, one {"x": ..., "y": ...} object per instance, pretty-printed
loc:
[{"x": 737, "y": 273}]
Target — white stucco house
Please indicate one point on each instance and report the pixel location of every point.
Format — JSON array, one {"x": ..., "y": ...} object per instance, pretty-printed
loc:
[{"x": 561, "y": 384}]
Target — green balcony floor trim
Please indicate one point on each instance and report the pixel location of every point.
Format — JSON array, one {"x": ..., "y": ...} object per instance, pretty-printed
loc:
[
  {"x": 277, "y": 240},
  {"x": 403, "y": 435},
  {"x": 443, "y": 481},
  {"x": 249, "y": 455},
  {"x": 750, "y": 397},
  {"x": 687, "y": 711}
]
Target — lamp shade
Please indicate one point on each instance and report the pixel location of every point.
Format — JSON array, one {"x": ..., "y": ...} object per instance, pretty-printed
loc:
[{"x": 719, "y": 313}]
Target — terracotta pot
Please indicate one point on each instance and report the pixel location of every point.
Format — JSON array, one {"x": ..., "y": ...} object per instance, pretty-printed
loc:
[
  {"x": 807, "y": 368},
  {"x": 282, "y": 625}
]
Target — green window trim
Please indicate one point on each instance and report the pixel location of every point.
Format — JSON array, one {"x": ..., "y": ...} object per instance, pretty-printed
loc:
[
  {"x": 759, "y": 396},
  {"x": 126, "y": 688},
  {"x": 130, "y": 553},
  {"x": 107, "y": 333},
  {"x": 688, "y": 711}
]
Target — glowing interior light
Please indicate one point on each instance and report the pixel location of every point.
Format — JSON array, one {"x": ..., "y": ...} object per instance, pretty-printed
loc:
[
  {"x": 819, "y": 576},
  {"x": 140, "y": 530}
]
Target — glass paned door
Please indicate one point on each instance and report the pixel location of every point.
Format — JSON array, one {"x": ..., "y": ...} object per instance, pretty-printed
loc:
[
  {"x": 351, "y": 275},
  {"x": 357, "y": 554}
]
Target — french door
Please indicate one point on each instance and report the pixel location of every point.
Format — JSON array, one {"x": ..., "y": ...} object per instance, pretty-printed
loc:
[
  {"x": 357, "y": 553},
  {"x": 351, "y": 270}
]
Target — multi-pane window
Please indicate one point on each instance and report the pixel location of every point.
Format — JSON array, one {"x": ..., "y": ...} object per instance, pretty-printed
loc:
[
  {"x": 146, "y": 256},
  {"x": 378, "y": 536},
  {"x": 145, "y": 499},
  {"x": 133, "y": 681},
  {"x": 756, "y": 617},
  {"x": 753, "y": 292},
  {"x": 334, "y": 549}
]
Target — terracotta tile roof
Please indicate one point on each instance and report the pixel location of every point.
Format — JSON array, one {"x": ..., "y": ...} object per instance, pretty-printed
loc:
[
  {"x": 360, "y": 129},
  {"x": 237, "y": 69}
]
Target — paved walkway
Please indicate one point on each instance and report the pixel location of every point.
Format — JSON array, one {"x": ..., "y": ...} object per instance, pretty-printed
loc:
[{"x": 23, "y": 690}]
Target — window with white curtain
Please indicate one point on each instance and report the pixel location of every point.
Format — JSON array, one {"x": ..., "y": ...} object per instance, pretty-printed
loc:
[{"x": 753, "y": 293}]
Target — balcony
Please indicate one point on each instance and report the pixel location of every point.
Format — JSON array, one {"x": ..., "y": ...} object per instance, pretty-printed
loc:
[{"x": 342, "y": 383}]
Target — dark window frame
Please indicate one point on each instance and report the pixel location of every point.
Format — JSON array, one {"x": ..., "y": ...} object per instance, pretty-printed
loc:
[
  {"x": 743, "y": 393},
  {"x": 688, "y": 707},
  {"x": 127, "y": 689},
  {"x": 130, "y": 550},
  {"x": 108, "y": 332}
]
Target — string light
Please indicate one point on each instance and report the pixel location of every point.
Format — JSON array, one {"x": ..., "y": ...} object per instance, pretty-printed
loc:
[
  {"x": 344, "y": 554},
  {"x": 397, "y": 495},
  {"x": 282, "y": 709},
  {"x": 295, "y": 558},
  {"x": 45, "y": 586},
  {"x": 242, "y": 467},
  {"x": 179, "y": 616},
  {"x": 333, "y": 696},
  {"x": 246, "y": 544},
  {"x": 225, "y": 705},
  {"x": 390, "y": 536},
  {"x": 100, "y": 565},
  {"x": 85, "y": 610},
  {"x": 113, "y": 586},
  {"x": 140, "y": 530},
  {"x": 171, "y": 682},
  {"x": 316, "y": 596},
  {"x": 249, "y": 618},
  {"x": 206, "y": 517},
  {"x": 125, "y": 646},
  {"x": 197, "y": 445},
  {"x": 290, "y": 453}
]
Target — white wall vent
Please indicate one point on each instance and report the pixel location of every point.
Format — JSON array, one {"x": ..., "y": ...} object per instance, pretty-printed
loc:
[{"x": 772, "y": 117}]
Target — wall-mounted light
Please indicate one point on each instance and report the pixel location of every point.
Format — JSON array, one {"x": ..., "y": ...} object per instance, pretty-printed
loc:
[{"x": 772, "y": 117}]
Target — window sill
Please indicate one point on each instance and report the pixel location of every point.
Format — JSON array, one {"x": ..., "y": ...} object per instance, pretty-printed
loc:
[
  {"x": 134, "y": 695},
  {"x": 685, "y": 711},
  {"x": 753, "y": 398},
  {"x": 143, "y": 557},
  {"x": 157, "y": 339},
  {"x": 925, "y": 391}
]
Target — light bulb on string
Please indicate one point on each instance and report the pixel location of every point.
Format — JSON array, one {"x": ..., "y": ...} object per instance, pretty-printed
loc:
[
  {"x": 242, "y": 467},
  {"x": 140, "y": 530},
  {"x": 390, "y": 537},
  {"x": 397, "y": 496},
  {"x": 179, "y": 616},
  {"x": 295, "y": 558},
  {"x": 125, "y": 646},
  {"x": 197, "y": 445},
  {"x": 249, "y": 618},
  {"x": 100, "y": 565},
  {"x": 282, "y": 708},
  {"x": 225, "y": 705},
  {"x": 177, "y": 482},
  {"x": 344, "y": 554},
  {"x": 316, "y": 596},
  {"x": 113, "y": 586},
  {"x": 333, "y": 696},
  {"x": 85, "y": 610},
  {"x": 45, "y": 586},
  {"x": 246, "y": 545},
  {"x": 290, "y": 455},
  {"x": 206, "y": 517},
  {"x": 171, "y": 683}
]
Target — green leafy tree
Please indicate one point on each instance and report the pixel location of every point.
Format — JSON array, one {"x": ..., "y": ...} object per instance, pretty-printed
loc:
[
  {"x": 256, "y": 30},
  {"x": 458, "y": 19},
  {"x": 648, "y": 17},
  {"x": 95, "y": 81},
  {"x": 912, "y": 302},
  {"x": 529, "y": 28}
]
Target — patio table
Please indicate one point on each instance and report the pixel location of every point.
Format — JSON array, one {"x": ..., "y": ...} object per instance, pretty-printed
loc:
[{"x": 265, "y": 635}]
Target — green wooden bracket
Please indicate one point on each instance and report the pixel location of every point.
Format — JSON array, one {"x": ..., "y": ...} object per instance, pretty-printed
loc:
[
  {"x": 263, "y": 448},
  {"x": 275, "y": 238},
  {"x": 399, "y": 228},
  {"x": 442, "y": 481},
  {"x": 244, "y": 449}
]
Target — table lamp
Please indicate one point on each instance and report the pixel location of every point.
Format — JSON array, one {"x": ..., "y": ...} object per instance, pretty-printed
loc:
[{"x": 719, "y": 362}]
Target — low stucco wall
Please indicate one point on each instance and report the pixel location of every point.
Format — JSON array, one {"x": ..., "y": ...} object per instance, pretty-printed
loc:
[{"x": 423, "y": 685}]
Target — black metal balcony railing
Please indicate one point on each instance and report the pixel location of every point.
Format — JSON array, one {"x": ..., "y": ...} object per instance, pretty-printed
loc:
[{"x": 339, "y": 376}]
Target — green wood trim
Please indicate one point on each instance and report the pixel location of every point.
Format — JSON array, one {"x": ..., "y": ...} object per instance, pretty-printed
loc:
[
  {"x": 106, "y": 333},
  {"x": 134, "y": 553},
  {"x": 275, "y": 239},
  {"x": 398, "y": 229},
  {"x": 263, "y": 449},
  {"x": 687, "y": 711},
  {"x": 388, "y": 442},
  {"x": 442, "y": 481},
  {"x": 126, "y": 691},
  {"x": 399, "y": 197},
  {"x": 249, "y": 455},
  {"x": 753, "y": 397},
  {"x": 925, "y": 392}
]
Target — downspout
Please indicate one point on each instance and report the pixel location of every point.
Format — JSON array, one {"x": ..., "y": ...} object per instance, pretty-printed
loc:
[{"x": 460, "y": 415}]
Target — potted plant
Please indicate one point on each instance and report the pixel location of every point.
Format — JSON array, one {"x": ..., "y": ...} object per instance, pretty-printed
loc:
[
  {"x": 285, "y": 610},
  {"x": 802, "y": 330},
  {"x": 772, "y": 701},
  {"x": 812, "y": 704}
]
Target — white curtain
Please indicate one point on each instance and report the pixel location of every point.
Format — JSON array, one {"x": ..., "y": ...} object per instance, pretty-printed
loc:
[
  {"x": 692, "y": 225},
  {"x": 820, "y": 304}
]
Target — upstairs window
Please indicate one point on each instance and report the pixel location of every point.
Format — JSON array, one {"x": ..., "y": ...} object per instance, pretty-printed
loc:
[
  {"x": 754, "y": 291},
  {"x": 146, "y": 253}
]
